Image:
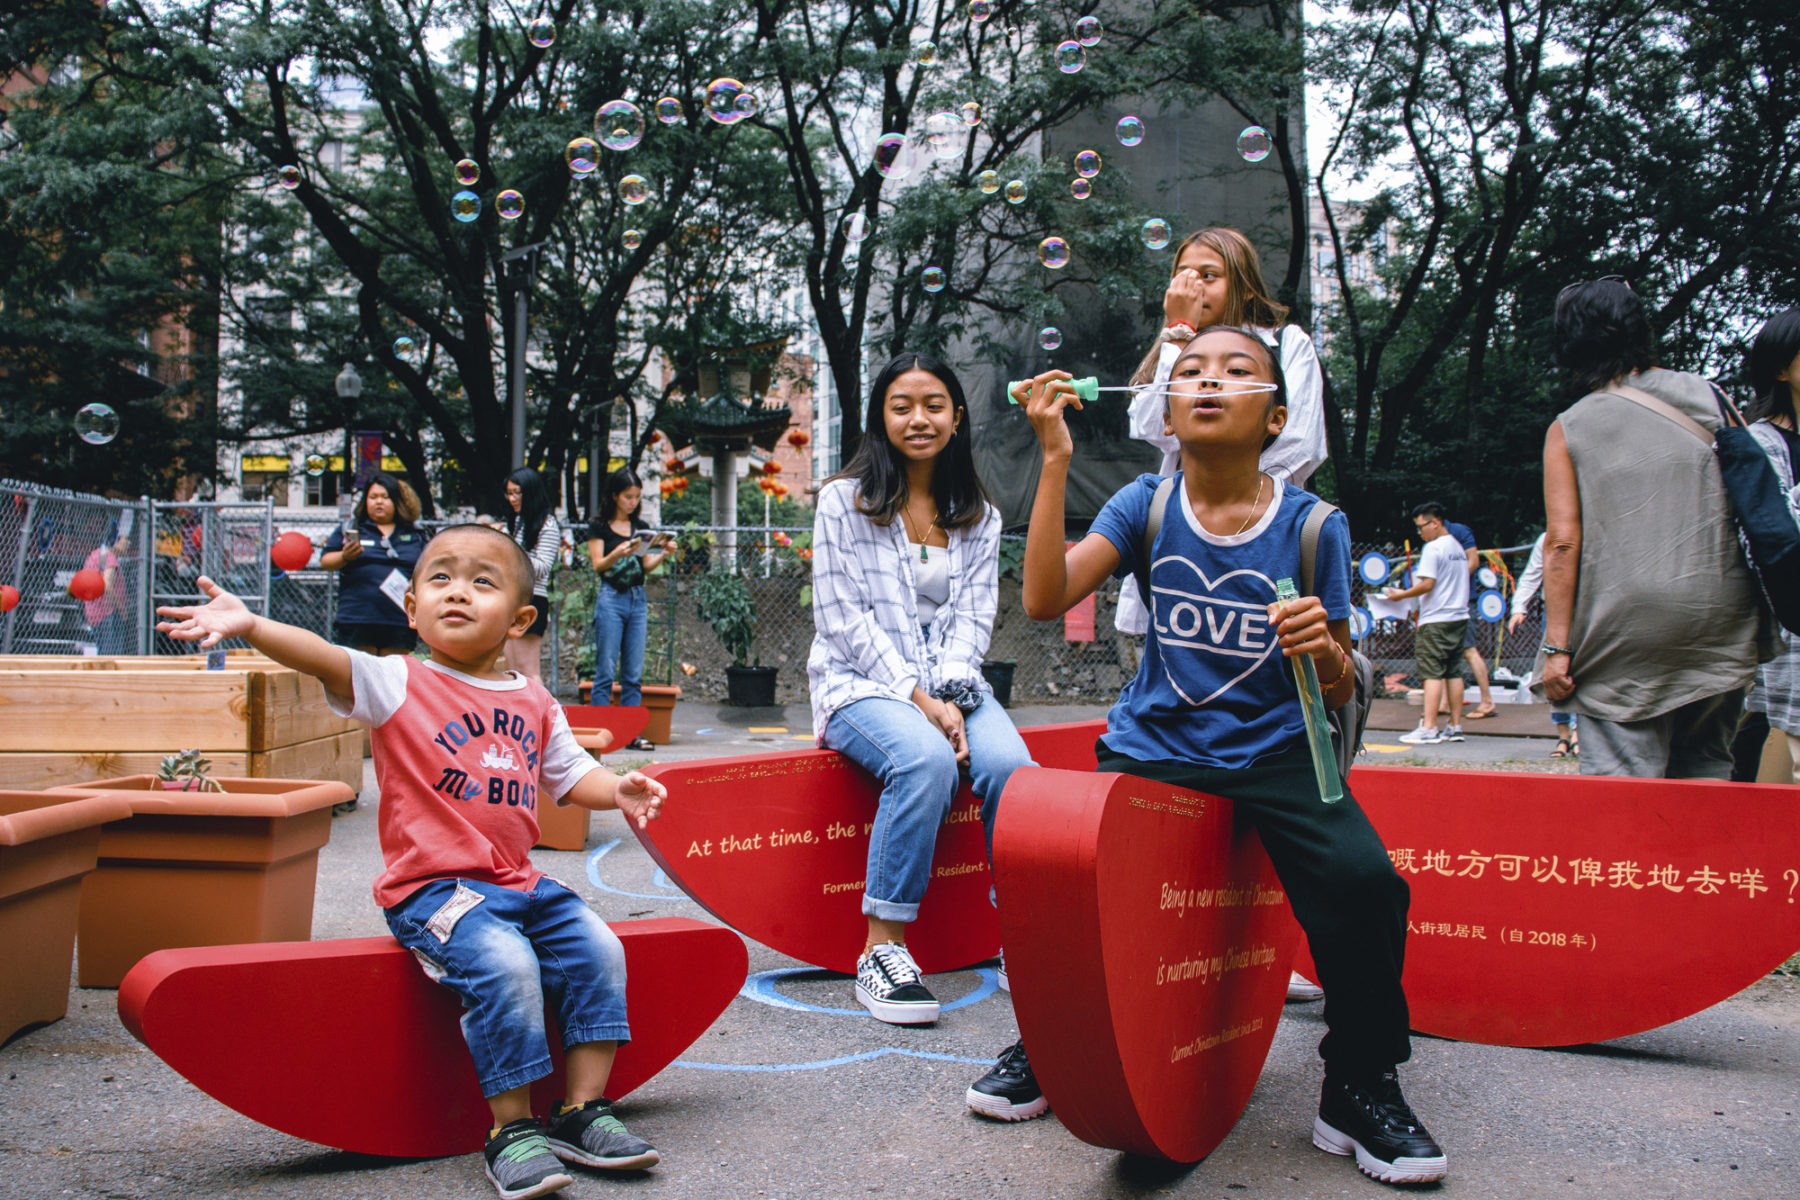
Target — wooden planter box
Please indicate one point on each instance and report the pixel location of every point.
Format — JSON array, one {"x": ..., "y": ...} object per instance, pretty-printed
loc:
[
  {"x": 48, "y": 842},
  {"x": 660, "y": 700},
  {"x": 202, "y": 869},
  {"x": 72, "y": 720}
]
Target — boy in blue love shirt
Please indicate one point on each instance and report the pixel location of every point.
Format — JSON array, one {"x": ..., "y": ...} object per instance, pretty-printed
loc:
[{"x": 1214, "y": 707}]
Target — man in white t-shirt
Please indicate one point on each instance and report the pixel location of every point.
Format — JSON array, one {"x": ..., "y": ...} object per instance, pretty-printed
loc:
[{"x": 1441, "y": 580}]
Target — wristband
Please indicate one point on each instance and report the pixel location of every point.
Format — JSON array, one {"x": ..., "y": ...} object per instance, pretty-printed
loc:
[
  {"x": 1178, "y": 331},
  {"x": 1343, "y": 666},
  {"x": 1548, "y": 649}
]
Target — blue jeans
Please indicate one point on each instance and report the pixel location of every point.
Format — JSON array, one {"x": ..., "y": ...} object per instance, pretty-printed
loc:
[
  {"x": 502, "y": 956},
  {"x": 621, "y": 620},
  {"x": 917, "y": 769}
]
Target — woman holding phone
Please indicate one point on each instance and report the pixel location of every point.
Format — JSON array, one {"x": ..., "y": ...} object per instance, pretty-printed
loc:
[{"x": 623, "y": 551}]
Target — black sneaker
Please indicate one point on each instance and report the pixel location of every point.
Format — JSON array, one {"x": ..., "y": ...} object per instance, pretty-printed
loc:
[
  {"x": 888, "y": 984},
  {"x": 592, "y": 1136},
  {"x": 1371, "y": 1119},
  {"x": 1009, "y": 1091},
  {"x": 519, "y": 1162}
]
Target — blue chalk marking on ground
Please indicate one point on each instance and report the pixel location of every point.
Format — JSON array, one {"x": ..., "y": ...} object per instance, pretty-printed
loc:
[
  {"x": 593, "y": 874},
  {"x": 698, "y": 732},
  {"x": 823, "y": 1063},
  {"x": 760, "y": 987}
]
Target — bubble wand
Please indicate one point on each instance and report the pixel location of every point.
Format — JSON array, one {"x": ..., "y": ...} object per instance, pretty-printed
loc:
[
  {"x": 1089, "y": 389},
  {"x": 1312, "y": 707}
]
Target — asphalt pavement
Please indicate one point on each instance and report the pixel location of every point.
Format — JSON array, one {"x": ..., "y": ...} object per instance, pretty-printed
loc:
[{"x": 808, "y": 1098}]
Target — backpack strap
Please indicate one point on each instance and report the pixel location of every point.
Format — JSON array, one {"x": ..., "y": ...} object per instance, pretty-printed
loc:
[
  {"x": 1663, "y": 408},
  {"x": 1159, "y": 503},
  {"x": 1309, "y": 543}
]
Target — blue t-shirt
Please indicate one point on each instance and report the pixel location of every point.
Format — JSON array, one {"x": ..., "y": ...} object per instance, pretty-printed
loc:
[
  {"x": 360, "y": 598},
  {"x": 1213, "y": 688},
  {"x": 1462, "y": 533}
]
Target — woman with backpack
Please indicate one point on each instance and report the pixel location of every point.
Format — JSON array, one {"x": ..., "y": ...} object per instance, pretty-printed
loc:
[{"x": 1775, "y": 423}]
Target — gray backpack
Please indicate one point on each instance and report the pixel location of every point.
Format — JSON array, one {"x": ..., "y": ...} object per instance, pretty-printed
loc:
[{"x": 1347, "y": 722}]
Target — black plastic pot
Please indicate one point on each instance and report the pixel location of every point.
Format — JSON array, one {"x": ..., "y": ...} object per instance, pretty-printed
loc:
[
  {"x": 750, "y": 687},
  {"x": 1000, "y": 677}
]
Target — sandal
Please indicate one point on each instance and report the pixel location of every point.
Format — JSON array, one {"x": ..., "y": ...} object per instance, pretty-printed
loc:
[
  {"x": 1562, "y": 748},
  {"x": 640, "y": 743},
  {"x": 1475, "y": 714}
]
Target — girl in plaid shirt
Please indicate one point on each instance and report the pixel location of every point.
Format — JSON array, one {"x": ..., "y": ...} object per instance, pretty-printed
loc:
[{"x": 906, "y": 567}]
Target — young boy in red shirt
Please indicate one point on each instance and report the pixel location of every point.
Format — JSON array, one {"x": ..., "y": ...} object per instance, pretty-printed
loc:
[{"x": 462, "y": 752}]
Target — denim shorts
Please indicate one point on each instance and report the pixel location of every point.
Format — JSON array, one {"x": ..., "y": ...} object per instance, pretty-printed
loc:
[{"x": 506, "y": 952}]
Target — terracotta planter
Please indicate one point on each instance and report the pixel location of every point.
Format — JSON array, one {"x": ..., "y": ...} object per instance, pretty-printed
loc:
[
  {"x": 202, "y": 869},
  {"x": 562, "y": 826},
  {"x": 48, "y": 842},
  {"x": 660, "y": 700}
]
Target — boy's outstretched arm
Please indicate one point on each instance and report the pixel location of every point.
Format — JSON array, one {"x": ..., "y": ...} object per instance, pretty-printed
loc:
[
  {"x": 1056, "y": 580},
  {"x": 635, "y": 794},
  {"x": 224, "y": 616}
]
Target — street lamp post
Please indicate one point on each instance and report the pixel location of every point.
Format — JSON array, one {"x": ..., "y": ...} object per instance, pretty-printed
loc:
[
  {"x": 349, "y": 387},
  {"x": 518, "y": 278}
]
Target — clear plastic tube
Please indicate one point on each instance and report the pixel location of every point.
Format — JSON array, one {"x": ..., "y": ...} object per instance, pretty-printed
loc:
[{"x": 1312, "y": 707}]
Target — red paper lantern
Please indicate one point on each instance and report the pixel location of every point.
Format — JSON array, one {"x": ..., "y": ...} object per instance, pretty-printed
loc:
[
  {"x": 9, "y": 597},
  {"x": 88, "y": 584},
  {"x": 780, "y": 490},
  {"x": 668, "y": 487},
  {"x": 798, "y": 438},
  {"x": 291, "y": 551},
  {"x": 771, "y": 467},
  {"x": 673, "y": 464},
  {"x": 681, "y": 483}
]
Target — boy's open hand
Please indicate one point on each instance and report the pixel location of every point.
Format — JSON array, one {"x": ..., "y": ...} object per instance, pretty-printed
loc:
[
  {"x": 640, "y": 798},
  {"x": 1302, "y": 628},
  {"x": 1044, "y": 400},
  {"x": 222, "y": 616}
]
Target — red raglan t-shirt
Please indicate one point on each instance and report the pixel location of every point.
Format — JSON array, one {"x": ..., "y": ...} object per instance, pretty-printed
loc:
[{"x": 462, "y": 764}]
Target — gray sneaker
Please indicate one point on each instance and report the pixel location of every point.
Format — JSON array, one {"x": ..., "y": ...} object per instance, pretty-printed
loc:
[
  {"x": 592, "y": 1136},
  {"x": 519, "y": 1162}
]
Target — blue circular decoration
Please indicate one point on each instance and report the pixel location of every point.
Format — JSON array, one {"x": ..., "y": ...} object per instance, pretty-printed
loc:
[
  {"x": 1361, "y": 619},
  {"x": 1487, "y": 577},
  {"x": 1491, "y": 605},
  {"x": 1374, "y": 568}
]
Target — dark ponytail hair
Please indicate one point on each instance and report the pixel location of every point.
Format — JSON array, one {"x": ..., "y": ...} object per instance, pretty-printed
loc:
[
  {"x": 1776, "y": 345},
  {"x": 880, "y": 473},
  {"x": 534, "y": 506}
]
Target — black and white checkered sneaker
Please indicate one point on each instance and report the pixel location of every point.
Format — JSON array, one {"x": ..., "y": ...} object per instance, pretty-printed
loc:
[{"x": 888, "y": 984}]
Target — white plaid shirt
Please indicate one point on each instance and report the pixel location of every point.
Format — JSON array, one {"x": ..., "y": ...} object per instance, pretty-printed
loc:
[{"x": 866, "y": 608}]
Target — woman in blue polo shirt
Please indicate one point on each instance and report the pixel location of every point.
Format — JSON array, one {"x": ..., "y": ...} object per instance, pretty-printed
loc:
[{"x": 376, "y": 559}]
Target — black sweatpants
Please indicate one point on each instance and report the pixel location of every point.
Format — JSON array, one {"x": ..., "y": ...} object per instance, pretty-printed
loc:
[{"x": 1343, "y": 888}]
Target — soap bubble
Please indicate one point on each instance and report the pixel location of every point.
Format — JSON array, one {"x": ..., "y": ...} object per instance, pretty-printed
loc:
[
  {"x": 583, "y": 154},
  {"x": 933, "y": 279},
  {"x": 403, "y": 348},
  {"x": 465, "y": 206},
  {"x": 1070, "y": 57},
  {"x": 288, "y": 177},
  {"x": 1087, "y": 164},
  {"x": 619, "y": 125},
  {"x": 856, "y": 228},
  {"x": 1015, "y": 191},
  {"x": 747, "y": 104},
  {"x": 542, "y": 32},
  {"x": 1049, "y": 337},
  {"x": 633, "y": 238},
  {"x": 669, "y": 110},
  {"x": 1087, "y": 30},
  {"x": 634, "y": 190},
  {"x": 1053, "y": 252},
  {"x": 510, "y": 205},
  {"x": 723, "y": 98},
  {"x": 98, "y": 424},
  {"x": 891, "y": 158},
  {"x": 467, "y": 172},
  {"x": 971, "y": 113},
  {"x": 980, "y": 10},
  {"x": 1156, "y": 233},
  {"x": 1130, "y": 130},
  {"x": 315, "y": 465},
  {"x": 988, "y": 181},
  {"x": 925, "y": 53},
  {"x": 1253, "y": 144},
  {"x": 1081, "y": 189},
  {"x": 944, "y": 132}
]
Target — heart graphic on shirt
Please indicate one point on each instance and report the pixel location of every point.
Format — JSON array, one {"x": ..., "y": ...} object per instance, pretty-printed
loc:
[{"x": 1203, "y": 621}]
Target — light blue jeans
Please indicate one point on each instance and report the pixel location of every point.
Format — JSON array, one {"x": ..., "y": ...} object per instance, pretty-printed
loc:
[
  {"x": 621, "y": 621},
  {"x": 502, "y": 956},
  {"x": 917, "y": 769}
]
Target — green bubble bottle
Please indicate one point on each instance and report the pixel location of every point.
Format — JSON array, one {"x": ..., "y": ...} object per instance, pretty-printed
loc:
[{"x": 1312, "y": 706}]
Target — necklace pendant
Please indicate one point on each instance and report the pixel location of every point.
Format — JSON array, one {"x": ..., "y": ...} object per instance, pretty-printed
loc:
[{"x": 923, "y": 557}]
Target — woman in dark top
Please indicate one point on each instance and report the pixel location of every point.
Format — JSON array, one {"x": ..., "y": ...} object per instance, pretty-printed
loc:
[
  {"x": 622, "y": 553},
  {"x": 531, "y": 522},
  {"x": 376, "y": 559}
]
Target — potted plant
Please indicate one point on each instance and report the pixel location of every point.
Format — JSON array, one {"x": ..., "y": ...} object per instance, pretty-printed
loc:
[
  {"x": 722, "y": 598},
  {"x": 185, "y": 772}
]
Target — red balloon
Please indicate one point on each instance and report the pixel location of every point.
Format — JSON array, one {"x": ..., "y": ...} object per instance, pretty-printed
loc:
[
  {"x": 88, "y": 584},
  {"x": 291, "y": 551},
  {"x": 9, "y": 597}
]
